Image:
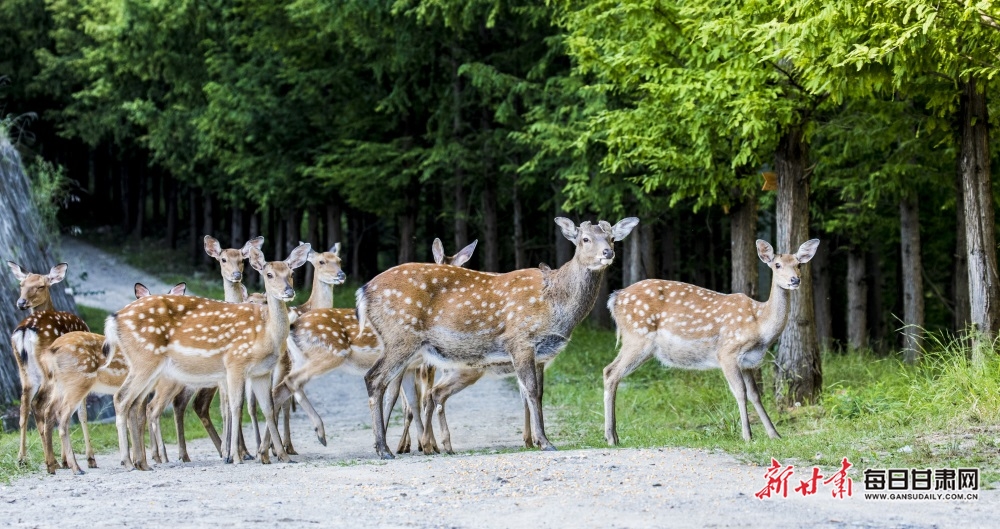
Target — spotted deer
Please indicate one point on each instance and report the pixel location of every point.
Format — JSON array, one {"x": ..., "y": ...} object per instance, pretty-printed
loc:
[
  {"x": 458, "y": 318},
  {"x": 322, "y": 340},
  {"x": 171, "y": 391},
  {"x": 75, "y": 366},
  {"x": 690, "y": 327},
  {"x": 200, "y": 342},
  {"x": 30, "y": 338}
]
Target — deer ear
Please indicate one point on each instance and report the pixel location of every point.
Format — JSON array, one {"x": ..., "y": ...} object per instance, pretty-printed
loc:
[
  {"x": 623, "y": 228},
  {"x": 244, "y": 292},
  {"x": 311, "y": 255},
  {"x": 335, "y": 249},
  {"x": 544, "y": 267},
  {"x": 212, "y": 247},
  {"x": 58, "y": 273},
  {"x": 807, "y": 250},
  {"x": 19, "y": 273},
  {"x": 437, "y": 249},
  {"x": 569, "y": 230},
  {"x": 465, "y": 254},
  {"x": 256, "y": 242},
  {"x": 141, "y": 291},
  {"x": 180, "y": 289},
  {"x": 298, "y": 256},
  {"x": 257, "y": 260},
  {"x": 765, "y": 251}
]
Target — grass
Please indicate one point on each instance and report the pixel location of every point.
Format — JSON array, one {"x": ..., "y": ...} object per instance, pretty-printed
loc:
[{"x": 876, "y": 411}]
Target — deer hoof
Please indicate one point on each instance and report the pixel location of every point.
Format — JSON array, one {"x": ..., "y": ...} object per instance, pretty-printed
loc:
[
  {"x": 322, "y": 439},
  {"x": 227, "y": 460},
  {"x": 91, "y": 462},
  {"x": 549, "y": 448},
  {"x": 291, "y": 451},
  {"x": 247, "y": 457},
  {"x": 79, "y": 472}
]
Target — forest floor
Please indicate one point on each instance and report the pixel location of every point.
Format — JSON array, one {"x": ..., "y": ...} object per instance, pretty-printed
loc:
[{"x": 491, "y": 482}]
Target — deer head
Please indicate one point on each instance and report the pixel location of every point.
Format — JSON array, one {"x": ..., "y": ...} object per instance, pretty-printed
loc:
[
  {"x": 35, "y": 287},
  {"x": 785, "y": 267},
  {"x": 231, "y": 260},
  {"x": 278, "y": 274},
  {"x": 177, "y": 290},
  {"x": 595, "y": 248},
  {"x": 327, "y": 265},
  {"x": 459, "y": 259}
]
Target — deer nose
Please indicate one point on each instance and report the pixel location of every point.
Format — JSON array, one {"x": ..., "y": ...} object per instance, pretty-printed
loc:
[
  {"x": 289, "y": 292},
  {"x": 341, "y": 276},
  {"x": 796, "y": 281},
  {"x": 22, "y": 303},
  {"x": 609, "y": 253},
  {"x": 237, "y": 276}
]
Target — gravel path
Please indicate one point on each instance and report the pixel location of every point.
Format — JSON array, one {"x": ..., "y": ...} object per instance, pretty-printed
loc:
[
  {"x": 345, "y": 485},
  {"x": 101, "y": 280}
]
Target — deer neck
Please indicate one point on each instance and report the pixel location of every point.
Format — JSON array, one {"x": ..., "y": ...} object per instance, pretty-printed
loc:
[
  {"x": 43, "y": 306},
  {"x": 775, "y": 312},
  {"x": 573, "y": 291},
  {"x": 321, "y": 296},
  {"x": 277, "y": 320},
  {"x": 233, "y": 292}
]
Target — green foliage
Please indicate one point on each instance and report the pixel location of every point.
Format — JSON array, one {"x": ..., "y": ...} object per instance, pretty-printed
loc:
[{"x": 51, "y": 191}]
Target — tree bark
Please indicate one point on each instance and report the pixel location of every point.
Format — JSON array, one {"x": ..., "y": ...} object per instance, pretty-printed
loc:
[
  {"x": 171, "y": 185},
  {"x": 648, "y": 250},
  {"x": 520, "y": 255},
  {"x": 600, "y": 316},
  {"x": 632, "y": 259},
  {"x": 820, "y": 265},
  {"x": 960, "y": 274},
  {"x": 857, "y": 300},
  {"x": 141, "y": 180},
  {"x": 668, "y": 242},
  {"x": 334, "y": 229},
  {"x": 798, "y": 376},
  {"x": 236, "y": 234},
  {"x": 194, "y": 242},
  {"x": 913, "y": 280},
  {"x": 277, "y": 226},
  {"x": 491, "y": 240},
  {"x": 974, "y": 157},
  {"x": 407, "y": 222},
  {"x": 743, "y": 247},
  {"x": 206, "y": 224},
  {"x": 876, "y": 305}
]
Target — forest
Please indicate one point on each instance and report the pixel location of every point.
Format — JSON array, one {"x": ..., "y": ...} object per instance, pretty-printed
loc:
[{"x": 384, "y": 124}]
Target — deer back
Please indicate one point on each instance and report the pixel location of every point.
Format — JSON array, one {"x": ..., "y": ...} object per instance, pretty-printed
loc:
[
  {"x": 323, "y": 332},
  {"x": 80, "y": 356}
]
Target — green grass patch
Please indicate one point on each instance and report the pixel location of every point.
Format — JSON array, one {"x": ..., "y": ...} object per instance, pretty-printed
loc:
[{"x": 876, "y": 411}]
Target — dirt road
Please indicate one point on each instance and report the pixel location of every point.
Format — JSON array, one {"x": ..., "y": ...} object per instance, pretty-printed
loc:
[{"x": 344, "y": 485}]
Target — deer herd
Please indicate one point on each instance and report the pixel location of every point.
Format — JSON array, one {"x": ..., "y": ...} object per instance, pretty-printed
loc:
[{"x": 411, "y": 321}]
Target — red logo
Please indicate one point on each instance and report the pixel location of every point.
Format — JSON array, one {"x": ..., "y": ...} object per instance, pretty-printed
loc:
[{"x": 777, "y": 477}]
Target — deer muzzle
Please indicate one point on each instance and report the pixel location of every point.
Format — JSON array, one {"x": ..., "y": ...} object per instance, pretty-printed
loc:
[{"x": 22, "y": 303}]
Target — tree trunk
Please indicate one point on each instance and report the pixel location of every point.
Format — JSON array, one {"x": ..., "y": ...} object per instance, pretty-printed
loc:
[
  {"x": 632, "y": 259},
  {"x": 564, "y": 247},
  {"x": 156, "y": 196},
  {"x": 600, "y": 316},
  {"x": 141, "y": 181},
  {"x": 876, "y": 310},
  {"x": 408, "y": 230},
  {"x": 520, "y": 255},
  {"x": 334, "y": 229},
  {"x": 236, "y": 234},
  {"x": 206, "y": 224},
  {"x": 798, "y": 376},
  {"x": 743, "y": 247},
  {"x": 857, "y": 300},
  {"x": 668, "y": 241},
  {"x": 194, "y": 239},
  {"x": 648, "y": 250},
  {"x": 277, "y": 227},
  {"x": 491, "y": 240},
  {"x": 820, "y": 265},
  {"x": 960, "y": 273},
  {"x": 974, "y": 157},
  {"x": 913, "y": 280},
  {"x": 171, "y": 212}
]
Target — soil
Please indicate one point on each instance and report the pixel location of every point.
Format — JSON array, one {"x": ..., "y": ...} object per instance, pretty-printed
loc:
[{"x": 491, "y": 482}]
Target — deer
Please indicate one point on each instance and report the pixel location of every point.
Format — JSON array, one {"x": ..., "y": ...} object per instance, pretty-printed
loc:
[
  {"x": 199, "y": 341},
  {"x": 231, "y": 266},
  {"x": 458, "y": 318},
  {"x": 75, "y": 367},
  {"x": 30, "y": 338},
  {"x": 689, "y": 327},
  {"x": 322, "y": 340}
]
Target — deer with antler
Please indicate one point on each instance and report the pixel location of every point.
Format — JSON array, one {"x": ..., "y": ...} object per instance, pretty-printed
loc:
[
  {"x": 322, "y": 340},
  {"x": 199, "y": 341},
  {"x": 690, "y": 327},
  {"x": 76, "y": 365},
  {"x": 30, "y": 338},
  {"x": 455, "y": 317}
]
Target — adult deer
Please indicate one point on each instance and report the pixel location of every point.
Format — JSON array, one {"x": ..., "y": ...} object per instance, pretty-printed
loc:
[
  {"x": 30, "y": 338},
  {"x": 322, "y": 340},
  {"x": 690, "y": 327},
  {"x": 454, "y": 317},
  {"x": 75, "y": 366},
  {"x": 231, "y": 266},
  {"x": 199, "y": 341}
]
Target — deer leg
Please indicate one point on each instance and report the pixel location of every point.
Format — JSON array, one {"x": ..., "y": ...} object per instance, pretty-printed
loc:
[
  {"x": 526, "y": 370},
  {"x": 65, "y": 414},
  {"x": 262, "y": 389},
  {"x": 45, "y": 423},
  {"x": 394, "y": 359},
  {"x": 736, "y": 384},
  {"x": 154, "y": 410},
  {"x": 286, "y": 417},
  {"x": 528, "y": 440},
  {"x": 252, "y": 405},
  {"x": 634, "y": 353},
  {"x": 203, "y": 409},
  {"x": 235, "y": 383},
  {"x": 754, "y": 395},
  {"x": 181, "y": 401},
  {"x": 391, "y": 396},
  {"x": 81, "y": 415},
  {"x": 294, "y": 382},
  {"x": 450, "y": 384},
  {"x": 25, "y": 409}
]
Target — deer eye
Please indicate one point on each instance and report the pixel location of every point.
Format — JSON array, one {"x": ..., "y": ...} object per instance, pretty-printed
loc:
[
  {"x": 777, "y": 265},
  {"x": 586, "y": 239},
  {"x": 270, "y": 275},
  {"x": 223, "y": 259},
  {"x": 322, "y": 262}
]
